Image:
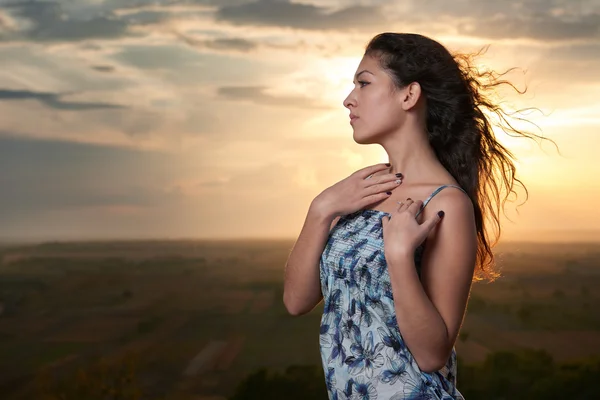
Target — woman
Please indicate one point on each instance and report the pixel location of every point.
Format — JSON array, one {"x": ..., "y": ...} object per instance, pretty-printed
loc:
[{"x": 395, "y": 275}]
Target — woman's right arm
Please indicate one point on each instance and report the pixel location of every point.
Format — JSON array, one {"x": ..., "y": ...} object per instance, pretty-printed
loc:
[{"x": 302, "y": 285}]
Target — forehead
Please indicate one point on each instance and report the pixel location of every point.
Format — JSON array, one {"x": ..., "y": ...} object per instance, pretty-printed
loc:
[{"x": 369, "y": 63}]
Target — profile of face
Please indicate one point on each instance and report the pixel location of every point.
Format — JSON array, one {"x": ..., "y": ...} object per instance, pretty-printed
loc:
[{"x": 378, "y": 109}]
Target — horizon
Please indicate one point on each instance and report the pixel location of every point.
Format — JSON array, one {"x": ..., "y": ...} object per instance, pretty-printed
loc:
[{"x": 544, "y": 237}]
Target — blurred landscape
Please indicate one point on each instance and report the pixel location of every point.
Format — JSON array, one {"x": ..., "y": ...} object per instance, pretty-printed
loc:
[
  {"x": 205, "y": 320},
  {"x": 125, "y": 120}
]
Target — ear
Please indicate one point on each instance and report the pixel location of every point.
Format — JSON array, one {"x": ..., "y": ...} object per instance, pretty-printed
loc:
[{"x": 410, "y": 95}]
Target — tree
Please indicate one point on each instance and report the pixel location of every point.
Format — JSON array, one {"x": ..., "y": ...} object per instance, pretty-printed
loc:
[{"x": 296, "y": 383}]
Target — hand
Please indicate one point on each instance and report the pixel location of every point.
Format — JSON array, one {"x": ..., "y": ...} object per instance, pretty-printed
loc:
[
  {"x": 402, "y": 233},
  {"x": 357, "y": 191}
]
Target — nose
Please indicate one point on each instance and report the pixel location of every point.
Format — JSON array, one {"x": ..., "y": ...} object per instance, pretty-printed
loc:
[{"x": 350, "y": 100}]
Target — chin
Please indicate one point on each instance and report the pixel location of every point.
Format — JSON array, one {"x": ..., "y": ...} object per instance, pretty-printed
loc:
[{"x": 363, "y": 139}]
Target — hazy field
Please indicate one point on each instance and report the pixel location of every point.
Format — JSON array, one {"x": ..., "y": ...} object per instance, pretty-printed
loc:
[{"x": 198, "y": 316}]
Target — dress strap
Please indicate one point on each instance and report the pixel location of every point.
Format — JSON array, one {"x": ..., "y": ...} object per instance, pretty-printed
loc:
[{"x": 436, "y": 191}]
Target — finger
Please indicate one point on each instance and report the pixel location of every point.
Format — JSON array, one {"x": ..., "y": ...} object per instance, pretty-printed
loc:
[
  {"x": 381, "y": 188},
  {"x": 414, "y": 207},
  {"x": 433, "y": 221},
  {"x": 374, "y": 198},
  {"x": 371, "y": 169},
  {"x": 384, "y": 221},
  {"x": 375, "y": 180},
  {"x": 405, "y": 204}
]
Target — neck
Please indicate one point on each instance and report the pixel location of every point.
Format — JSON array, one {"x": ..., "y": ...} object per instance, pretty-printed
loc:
[{"x": 410, "y": 153}]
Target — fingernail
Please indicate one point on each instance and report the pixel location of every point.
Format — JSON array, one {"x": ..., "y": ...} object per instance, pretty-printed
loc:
[
  {"x": 388, "y": 193},
  {"x": 388, "y": 164},
  {"x": 441, "y": 213},
  {"x": 399, "y": 175},
  {"x": 409, "y": 198}
]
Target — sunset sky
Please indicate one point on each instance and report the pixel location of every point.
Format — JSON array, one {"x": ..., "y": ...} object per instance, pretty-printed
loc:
[{"x": 224, "y": 118}]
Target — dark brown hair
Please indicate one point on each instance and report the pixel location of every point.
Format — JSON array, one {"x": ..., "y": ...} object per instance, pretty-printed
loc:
[{"x": 458, "y": 130}]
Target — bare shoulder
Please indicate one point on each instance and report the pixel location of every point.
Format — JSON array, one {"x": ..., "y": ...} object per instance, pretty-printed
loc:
[
  {"x": 453, "y": 199},
  {"x": 458, "y": 210}
]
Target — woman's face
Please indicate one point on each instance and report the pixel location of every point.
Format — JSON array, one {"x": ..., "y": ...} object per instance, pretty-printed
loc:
[{"x": 375, "y": 108}]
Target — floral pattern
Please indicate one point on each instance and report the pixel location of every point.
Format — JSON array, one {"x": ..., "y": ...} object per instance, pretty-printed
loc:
[{"x": 362, "y": 350}]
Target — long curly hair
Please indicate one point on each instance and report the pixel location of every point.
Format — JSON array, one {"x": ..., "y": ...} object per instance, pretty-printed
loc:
[{"x": 459, "y": 131}]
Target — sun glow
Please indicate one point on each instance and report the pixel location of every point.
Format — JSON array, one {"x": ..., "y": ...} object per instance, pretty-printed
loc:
[
  {"x": 332, "y": 81},
  {"x": 339, "y": 73}
]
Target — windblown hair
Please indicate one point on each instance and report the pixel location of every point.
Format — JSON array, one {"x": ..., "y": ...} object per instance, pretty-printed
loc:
[{"x": 458, "y": 130}]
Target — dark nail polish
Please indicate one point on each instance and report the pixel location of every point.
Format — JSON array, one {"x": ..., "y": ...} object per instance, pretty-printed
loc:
[
  {"x": 441, "y": 213},
  {"x": 399, "y": 175},
  {"x": 388, "y": 193},
  {"x": 388, "y": 164}
]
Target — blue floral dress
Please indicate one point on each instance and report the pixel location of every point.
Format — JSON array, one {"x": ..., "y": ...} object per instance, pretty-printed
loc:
[{"x": 362, "y": 350}]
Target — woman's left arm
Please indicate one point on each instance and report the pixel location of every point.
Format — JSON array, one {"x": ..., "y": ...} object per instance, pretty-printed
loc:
[{"x": 430, "y": 311}]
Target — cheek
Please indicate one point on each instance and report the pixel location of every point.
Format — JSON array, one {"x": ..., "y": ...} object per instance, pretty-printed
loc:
[
  {"x": 378, "y": 116},
  {"x": 383, "y": 114},
  {"x": 379, "y": 102}
]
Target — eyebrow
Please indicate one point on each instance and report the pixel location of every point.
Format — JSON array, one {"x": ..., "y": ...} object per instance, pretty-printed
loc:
[{"x": 364, "y": 70}]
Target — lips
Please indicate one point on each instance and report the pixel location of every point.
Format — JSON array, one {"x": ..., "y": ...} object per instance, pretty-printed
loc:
[{"x": 353, "y": 118}]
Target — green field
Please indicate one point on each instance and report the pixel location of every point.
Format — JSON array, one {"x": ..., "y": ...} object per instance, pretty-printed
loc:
[{"x": 67, "y": 310}]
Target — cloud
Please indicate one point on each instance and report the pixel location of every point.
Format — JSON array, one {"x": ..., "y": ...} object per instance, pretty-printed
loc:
[
  {"x": 38, "y": 169},
  {"x": 257, "y": 95},
  {"x": 172, "y": 57},
  {"x": 282, "y": 13},
  {"x": 103, "y": 68},
  {"x": 236, "y": 44},
  {"x": 53, "y": 100},
  {"x": 52, "y": 21},
  {"x": 142, "y": 4},
  {"x": 540, "y": 27},
  {"x": 230, "y": 44},
  {"x": 146, "y": 17},
  {"x": 63, "y": 21},
  {"x": 563, "y": 65},
  {"x": 46, "y": 21}
]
